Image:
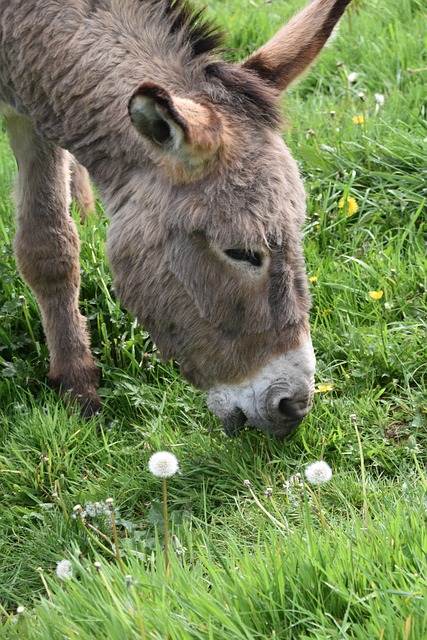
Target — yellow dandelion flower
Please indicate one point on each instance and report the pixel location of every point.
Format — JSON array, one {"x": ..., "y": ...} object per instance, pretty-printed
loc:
[
  {"x": 313, "y": 279},
  {"x": 358, "y": 119},
  {"x": 350, "y": 204},
  {"x": 324, "y": 388},
  {"x": 376, "y": 295}
]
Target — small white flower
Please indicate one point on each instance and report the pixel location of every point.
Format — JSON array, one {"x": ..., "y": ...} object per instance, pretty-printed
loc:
[
  {"x": 163, "y": 464},
  {"x": 20, "y": 610},
  {"x": 352, "y": 77},
  {"x": 318, "y": 472},
  {"x": 379, "y": 99},
  {"x": 64, "y": 570}
]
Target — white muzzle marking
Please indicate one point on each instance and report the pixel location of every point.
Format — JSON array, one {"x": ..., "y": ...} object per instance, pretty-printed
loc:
[{"x": 275, "y": 399}]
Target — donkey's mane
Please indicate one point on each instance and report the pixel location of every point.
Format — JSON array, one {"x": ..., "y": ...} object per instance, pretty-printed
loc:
[
  {"x": 198, "y": 31},
  {"x": 244, "y": 87}
]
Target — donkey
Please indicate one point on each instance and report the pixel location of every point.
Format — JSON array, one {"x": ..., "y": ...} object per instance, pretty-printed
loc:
[{"x": 205, "y": 201}]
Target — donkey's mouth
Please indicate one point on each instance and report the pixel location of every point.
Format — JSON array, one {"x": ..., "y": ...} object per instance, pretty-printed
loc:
[
  {"x": 233, "y": 422},
  {"x": 237, "y": 419}
]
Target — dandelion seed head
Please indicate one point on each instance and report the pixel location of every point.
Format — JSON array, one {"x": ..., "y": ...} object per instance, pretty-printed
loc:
[
  {"x": 96, "y": 509},
  {"x": 64, "y": 570},
  {"x": 318, "y": 472},
  {"x": 110, "y": 504},
  {"x": 163, "y": 464},
  {"x": 352, "y": 77},
  {"x": 78, "y": 512},
  {"x": 379, "y": 99},
  {"x": 292, "y": 488},
  {"x": 20, "y": 610}
]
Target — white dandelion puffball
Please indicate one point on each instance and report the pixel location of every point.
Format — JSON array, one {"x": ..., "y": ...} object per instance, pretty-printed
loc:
[
  {"x": 163, "y": 464},
  {"x": 64, "y": 570},
  {"x": 318, "y": 472},
  {"x": 352, "y": 77}
]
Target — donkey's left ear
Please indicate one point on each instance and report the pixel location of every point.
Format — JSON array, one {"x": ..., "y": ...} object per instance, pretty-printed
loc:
[
  {"x": 180, "y": 127},
  {"x": 296, "y": 45}
]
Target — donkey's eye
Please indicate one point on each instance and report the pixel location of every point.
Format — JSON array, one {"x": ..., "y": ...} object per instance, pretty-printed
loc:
[{"x": 253, "y": 258}]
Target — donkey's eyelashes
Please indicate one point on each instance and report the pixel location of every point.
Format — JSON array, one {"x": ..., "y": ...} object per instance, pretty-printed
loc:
[{"x": 239, "y": 254}]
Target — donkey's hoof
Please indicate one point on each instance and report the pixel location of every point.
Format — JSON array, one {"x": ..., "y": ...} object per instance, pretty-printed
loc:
[
  {"x": 87, "y": 404},
  {"x": 90, "y": 408}
]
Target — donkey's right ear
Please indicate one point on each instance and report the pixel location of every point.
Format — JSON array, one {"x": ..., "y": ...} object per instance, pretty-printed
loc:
[
  {"x": 188, "y": 131},
  {"x": 295, "y": 46}
]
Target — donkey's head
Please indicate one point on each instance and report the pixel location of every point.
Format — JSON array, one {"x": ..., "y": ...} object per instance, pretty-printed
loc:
[{"x": 214, "y": 268}]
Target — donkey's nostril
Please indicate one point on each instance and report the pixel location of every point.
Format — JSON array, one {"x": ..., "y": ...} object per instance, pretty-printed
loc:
[{"x": 288, "y": 409}]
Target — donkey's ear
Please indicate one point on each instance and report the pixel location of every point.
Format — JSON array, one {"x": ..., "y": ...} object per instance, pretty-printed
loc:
[
  {"x": 189, "y": 130},
  {"x": 296, "y": 45}
]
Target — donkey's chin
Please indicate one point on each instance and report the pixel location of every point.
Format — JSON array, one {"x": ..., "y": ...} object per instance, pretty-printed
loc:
[{"x": 284, "y": 430}]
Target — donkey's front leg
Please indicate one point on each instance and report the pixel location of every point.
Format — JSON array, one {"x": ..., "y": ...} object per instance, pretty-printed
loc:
[{"x": 47, "y": 254}]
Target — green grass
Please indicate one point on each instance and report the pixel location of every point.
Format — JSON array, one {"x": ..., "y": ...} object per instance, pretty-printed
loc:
[{"x": 345, "y": 562}]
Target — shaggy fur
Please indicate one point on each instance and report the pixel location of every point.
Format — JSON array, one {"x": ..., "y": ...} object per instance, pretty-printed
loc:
[{"x": 185, "y": 150}]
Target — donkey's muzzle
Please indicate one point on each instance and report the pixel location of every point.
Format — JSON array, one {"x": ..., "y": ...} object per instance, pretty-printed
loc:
[
  {"x": 278, "y": 415},
  {"x": 275, "y": 400}
]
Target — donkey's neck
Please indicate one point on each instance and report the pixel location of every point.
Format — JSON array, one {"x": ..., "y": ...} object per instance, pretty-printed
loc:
[{"x": 74, "y": 70}]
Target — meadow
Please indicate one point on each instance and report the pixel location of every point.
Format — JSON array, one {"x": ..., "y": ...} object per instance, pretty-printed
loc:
[{"x": 275, "y": 557}]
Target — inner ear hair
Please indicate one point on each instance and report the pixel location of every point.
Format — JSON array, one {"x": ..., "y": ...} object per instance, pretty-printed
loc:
[{"x": 153, "y": 113}]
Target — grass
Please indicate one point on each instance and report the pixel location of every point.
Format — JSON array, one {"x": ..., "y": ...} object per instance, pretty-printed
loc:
[{"x": 345, "y": 562}]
